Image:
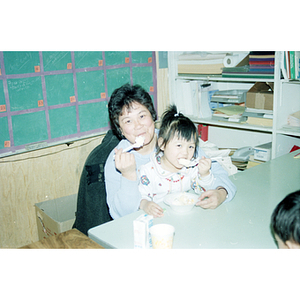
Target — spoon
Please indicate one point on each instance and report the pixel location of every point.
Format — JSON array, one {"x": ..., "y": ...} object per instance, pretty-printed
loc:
[
  {"x": 139, "y": 142},
  {"x": 193, "y": 163}
]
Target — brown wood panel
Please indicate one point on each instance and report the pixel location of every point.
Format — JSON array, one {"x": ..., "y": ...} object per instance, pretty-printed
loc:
[
  {"x": 34, "y": 177},
  {"x": 71, "y": 239}
]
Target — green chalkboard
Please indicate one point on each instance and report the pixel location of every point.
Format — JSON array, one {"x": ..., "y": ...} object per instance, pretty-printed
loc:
[
  {"x": 90, "y": 85},
  {"x": 52, "y": 97}
]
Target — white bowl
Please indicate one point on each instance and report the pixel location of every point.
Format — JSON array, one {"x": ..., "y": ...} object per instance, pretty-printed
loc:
[{"x": 181, "y": 202}]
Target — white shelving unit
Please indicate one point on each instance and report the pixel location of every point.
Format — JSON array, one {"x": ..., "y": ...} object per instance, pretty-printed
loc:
[{"x": 286, "y": 100}]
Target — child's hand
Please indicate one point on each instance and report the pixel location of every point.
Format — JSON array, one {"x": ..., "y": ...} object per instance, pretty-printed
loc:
[
  {"x": 151, "y": 208},
  {"x": 204, "y": 166}
]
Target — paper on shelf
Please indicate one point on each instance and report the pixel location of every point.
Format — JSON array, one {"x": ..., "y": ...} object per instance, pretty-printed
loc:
[
  {"x": 231, "y": 110},
  {"x": 294, "y": 119}
]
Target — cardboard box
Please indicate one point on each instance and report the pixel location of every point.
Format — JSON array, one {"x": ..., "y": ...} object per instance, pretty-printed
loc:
[
  {"x": 260, "y": 96},
  {"x": 141, "y": 230},
  {"x": 263, "y": 152},
  {"x": 55, "y": 216}
]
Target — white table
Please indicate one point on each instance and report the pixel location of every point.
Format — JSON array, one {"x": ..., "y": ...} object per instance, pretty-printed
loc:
[{"x": 243, "y": 223}]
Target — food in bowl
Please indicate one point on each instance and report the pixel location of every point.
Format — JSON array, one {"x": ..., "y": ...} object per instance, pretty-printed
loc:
[{"x": 182, "y": 201}]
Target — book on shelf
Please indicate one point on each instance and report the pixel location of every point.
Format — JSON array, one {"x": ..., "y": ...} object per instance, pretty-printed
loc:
[
  {"x": 262, "y": 62},
  {"x": 261, "y": 70},
  {"x": 297, "y": 65},
  {"x": 247, "y": 72},
  {"x": 290, "y": 65},
  {"x": 249, "y": 75},
  {"x": 287, "y": 59},
  {"x": 260, "y": 121},
  {"x": 293, "y": 65},
  {"x": 262, "y": 54}
]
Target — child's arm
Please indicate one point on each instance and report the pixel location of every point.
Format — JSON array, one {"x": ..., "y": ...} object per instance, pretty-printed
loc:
[
  {"x": 205, "y": 177},
  {"x": 204, "y": 166},
  {"x": 151, "y": 208},
  {"x": 216, "y": 196}
]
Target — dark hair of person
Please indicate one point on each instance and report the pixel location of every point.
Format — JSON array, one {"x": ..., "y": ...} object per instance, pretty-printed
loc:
[
  {"x": 124, "y": 97},
  {"x": 285, "y": 219},
  {"x": 174, "y": 124}
]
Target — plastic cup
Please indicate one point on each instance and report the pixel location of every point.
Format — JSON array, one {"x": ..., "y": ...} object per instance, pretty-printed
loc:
[{"x": 162, "y": 236}]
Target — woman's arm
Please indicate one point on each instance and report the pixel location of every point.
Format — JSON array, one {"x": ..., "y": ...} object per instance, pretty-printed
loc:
[{"x": 122, "y": 194}]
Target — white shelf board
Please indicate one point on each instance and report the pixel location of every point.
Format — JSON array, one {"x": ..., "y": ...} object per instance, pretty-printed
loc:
[
  {"x": 220, "y": 78},
  {"x": 246, "y": 126},
  {"x": 293, "y": 131}
]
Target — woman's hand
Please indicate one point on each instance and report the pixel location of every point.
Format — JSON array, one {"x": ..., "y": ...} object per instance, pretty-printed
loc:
[
  {"x": 212, "y": 198},
  {"x": 125, "y": 163},
  {"x": 151, "y": 208}
]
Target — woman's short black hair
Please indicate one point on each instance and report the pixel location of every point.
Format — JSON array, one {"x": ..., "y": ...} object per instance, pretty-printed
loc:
[
  {"x": 285, "y": 220},
  {"x": 124, "y": 96},
  {"x": 173, "y": 124}
]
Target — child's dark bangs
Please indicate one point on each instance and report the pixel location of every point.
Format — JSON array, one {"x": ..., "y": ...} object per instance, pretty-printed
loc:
[{"x": 186, "y": 131}]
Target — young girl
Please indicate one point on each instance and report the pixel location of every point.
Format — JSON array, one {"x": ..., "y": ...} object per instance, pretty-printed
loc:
[{"x": 165, "y": 173}]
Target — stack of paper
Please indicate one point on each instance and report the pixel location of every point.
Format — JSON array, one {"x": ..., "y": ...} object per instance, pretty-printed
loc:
[
  {"x": 201, "y": 62},
  {"x": 261, "y": 121},
  {"x": 294, "y": 119},
  {"x": 262, "y": 62},
  {"x": 259, "y": 117},
  {"x": 232, "y": 113}
]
